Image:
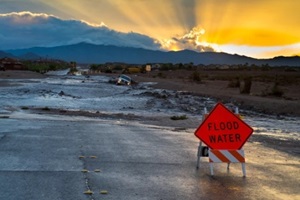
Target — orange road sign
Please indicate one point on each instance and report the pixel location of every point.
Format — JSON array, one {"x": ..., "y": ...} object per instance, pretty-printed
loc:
[{"x": 222, "y": 129}]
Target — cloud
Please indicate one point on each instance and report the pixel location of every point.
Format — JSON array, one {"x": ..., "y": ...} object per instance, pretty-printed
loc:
[
  {"x": 192, "y": 40},
  {"x": 26, "y": 29}
]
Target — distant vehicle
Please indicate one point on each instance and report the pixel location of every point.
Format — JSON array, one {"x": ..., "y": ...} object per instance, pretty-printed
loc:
[{"x": 124, "y": 80}]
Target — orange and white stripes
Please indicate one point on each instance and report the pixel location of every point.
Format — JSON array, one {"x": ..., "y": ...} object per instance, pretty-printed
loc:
[{"x": 228, "y": 156}]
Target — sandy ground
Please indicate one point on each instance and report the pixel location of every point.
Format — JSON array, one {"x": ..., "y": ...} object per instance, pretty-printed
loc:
[{"x": 289, "y": 104}]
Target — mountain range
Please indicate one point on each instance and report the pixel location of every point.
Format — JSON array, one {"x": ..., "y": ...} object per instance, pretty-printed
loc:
[{"x": 96, "y": 54}]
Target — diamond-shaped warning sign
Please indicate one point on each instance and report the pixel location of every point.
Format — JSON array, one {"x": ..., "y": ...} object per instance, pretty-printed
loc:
[{"x": 222, "y": 129}]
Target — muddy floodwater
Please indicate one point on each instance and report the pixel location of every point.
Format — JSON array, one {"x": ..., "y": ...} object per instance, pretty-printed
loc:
[{"x": 96, "y": 94}]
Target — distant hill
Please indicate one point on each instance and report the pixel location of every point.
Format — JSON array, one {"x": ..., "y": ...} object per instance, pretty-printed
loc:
[
  {"x": 282, "y": 61},
  {"x": 91, "y": 53},
  {"x": 29, "y": 56},
  {"x": 6, "y": 55}
]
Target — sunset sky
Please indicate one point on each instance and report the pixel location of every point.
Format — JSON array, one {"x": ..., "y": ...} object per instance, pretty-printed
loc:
[{"x": 256, "y": 28}]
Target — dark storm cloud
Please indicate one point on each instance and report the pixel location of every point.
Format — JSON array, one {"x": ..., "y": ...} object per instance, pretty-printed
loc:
[{"x": 26, "y": 29}]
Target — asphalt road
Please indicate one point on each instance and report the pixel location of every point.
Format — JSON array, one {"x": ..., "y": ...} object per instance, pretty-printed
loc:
[{"x": 46, "y": 159}]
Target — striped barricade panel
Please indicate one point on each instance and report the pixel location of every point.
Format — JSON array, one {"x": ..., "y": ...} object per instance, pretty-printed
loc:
[{"x": 228, "y": 156}]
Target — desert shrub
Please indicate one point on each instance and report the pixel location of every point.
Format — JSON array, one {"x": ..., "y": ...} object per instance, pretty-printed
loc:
[
  {"x": 94, "y": 67},
  {"x": 44, "y": 67},
  {"x": 38, "y": 67},
  {"x": 161, "y": 75},
  {"x": 166, "y": 67},
  {"x": 73, "y": 70},
  {"x": 118, "y": 67},
  {"x": 245, "y": 86},
  {"x": 276, "y": 91},
  {"x": 108, "y": 71},
  {"x": 234, "y": 83},
  {"x": 52, "y": 67},
  {"x": 195, "y": 76},
  {"x": 181, "y": 117}
]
